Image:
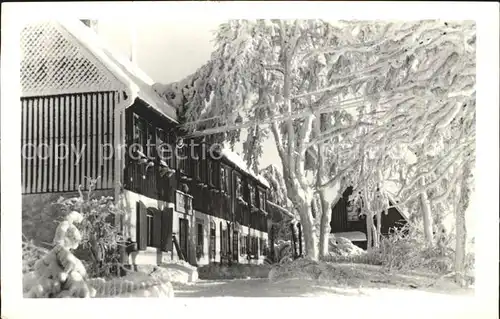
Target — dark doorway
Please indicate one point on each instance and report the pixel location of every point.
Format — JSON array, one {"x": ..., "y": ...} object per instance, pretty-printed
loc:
[{"x": 184, "y": 236}]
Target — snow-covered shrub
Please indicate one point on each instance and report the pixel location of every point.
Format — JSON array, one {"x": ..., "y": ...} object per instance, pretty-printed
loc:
[
  {"x": 60, "y": 274},
  {"x": 283, "y": 251},
  {"x": 297, "y": 269},
  {"x": 178, "y": 271},
  {"x": 407, "y": 249},
  {"x": 31, "y": 253},
  {"x": 310, "y": 270},
  {"x": 101, "y": 239},
  {"x": 343, "y": 247}
]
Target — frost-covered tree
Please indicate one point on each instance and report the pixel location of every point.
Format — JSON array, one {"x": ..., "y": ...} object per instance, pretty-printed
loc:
[
  {"x": 339, "y": 100},
  {"x": 277, "y": 189}
]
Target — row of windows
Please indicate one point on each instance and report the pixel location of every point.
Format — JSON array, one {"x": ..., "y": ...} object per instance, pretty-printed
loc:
[
  {"x": 156, "y": 143},
  {"x": 248, "y": 245},
  {"x": 154, "y": 229}
]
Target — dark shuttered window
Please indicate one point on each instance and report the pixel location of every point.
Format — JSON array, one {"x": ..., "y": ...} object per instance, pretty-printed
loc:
[
  {"x": 154, "y": 228},
  {"x": 149, "y": 222},
  {"x": 142, "y": 226},
  {"x": 156, "y": 236}
]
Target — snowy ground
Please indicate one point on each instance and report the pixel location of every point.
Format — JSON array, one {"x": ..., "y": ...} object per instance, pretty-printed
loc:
[
  {"x": 303, "y": 288},
  {"x": 413, "y": 303}
]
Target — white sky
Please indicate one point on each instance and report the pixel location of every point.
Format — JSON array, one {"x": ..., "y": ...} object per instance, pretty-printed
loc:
[{"x": 169, "y": 50}]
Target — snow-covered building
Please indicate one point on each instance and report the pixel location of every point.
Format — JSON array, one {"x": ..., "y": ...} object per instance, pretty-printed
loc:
[
  {"x": 347, "y": 222},
  {"x": 87, "y": 112}
]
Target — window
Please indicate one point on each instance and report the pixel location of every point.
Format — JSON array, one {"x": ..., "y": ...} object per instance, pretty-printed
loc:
[
  {"x": 263, "y": 246},
  {"x": 199, "y": 240},
  {"x": 243, "y": 245},
  {"x": 212, "y": 241},
  {"x": 163, "y": 148},
  {"x": 215, "y": 175},
  {"x": 149, "y": 222},
  {"x": 210, "y": 174},
  {"x": 262, "y": 200},
  {"x": 182, "y": 158},
  {"x": 149, "y": 150},
  {"x": 139, "y": 140},
  {"x": 254, "y": 248},
  {"x": 197, "y": 168},
  {"x": 239, "y": 190},
  {"x": 251, "y": 190},
  {"x": 224, "y": 180},
  {"x": 224, "y": 241}
]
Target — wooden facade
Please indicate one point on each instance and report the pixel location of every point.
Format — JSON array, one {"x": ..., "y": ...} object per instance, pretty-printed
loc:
[
  {"x": 62, "y": 139},
  {"x": 210, "y": 181}
]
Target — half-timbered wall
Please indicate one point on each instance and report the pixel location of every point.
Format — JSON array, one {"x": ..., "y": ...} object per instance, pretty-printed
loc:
[{"x": 65, "y": 139}]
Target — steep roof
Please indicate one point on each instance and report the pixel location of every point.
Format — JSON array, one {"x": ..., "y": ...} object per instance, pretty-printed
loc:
[{"x": 127, "y": 72}]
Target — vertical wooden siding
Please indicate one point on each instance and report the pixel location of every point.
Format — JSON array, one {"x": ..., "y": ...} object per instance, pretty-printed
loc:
[{"x": 61, "y": 129}]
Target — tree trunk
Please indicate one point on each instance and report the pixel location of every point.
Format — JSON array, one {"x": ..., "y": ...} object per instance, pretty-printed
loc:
[
  {"x": 377, "y": 230},
  {"x": 376, "y": 236},
  {"x": 427, "y": 217},
  {"x": 326, "y": 216},
  {"x": 310, "y": 238},
  {"x": 460, "y": 247},
  {"x": 324, "y": 234},
  {"x": 461, "y": 229},
  {"x": 369, "y": 230}
]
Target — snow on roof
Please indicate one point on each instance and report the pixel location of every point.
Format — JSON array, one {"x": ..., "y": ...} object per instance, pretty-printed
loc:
[
  {"x": 127, "y": 72},
  {"x": 238, "y": 161}
]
